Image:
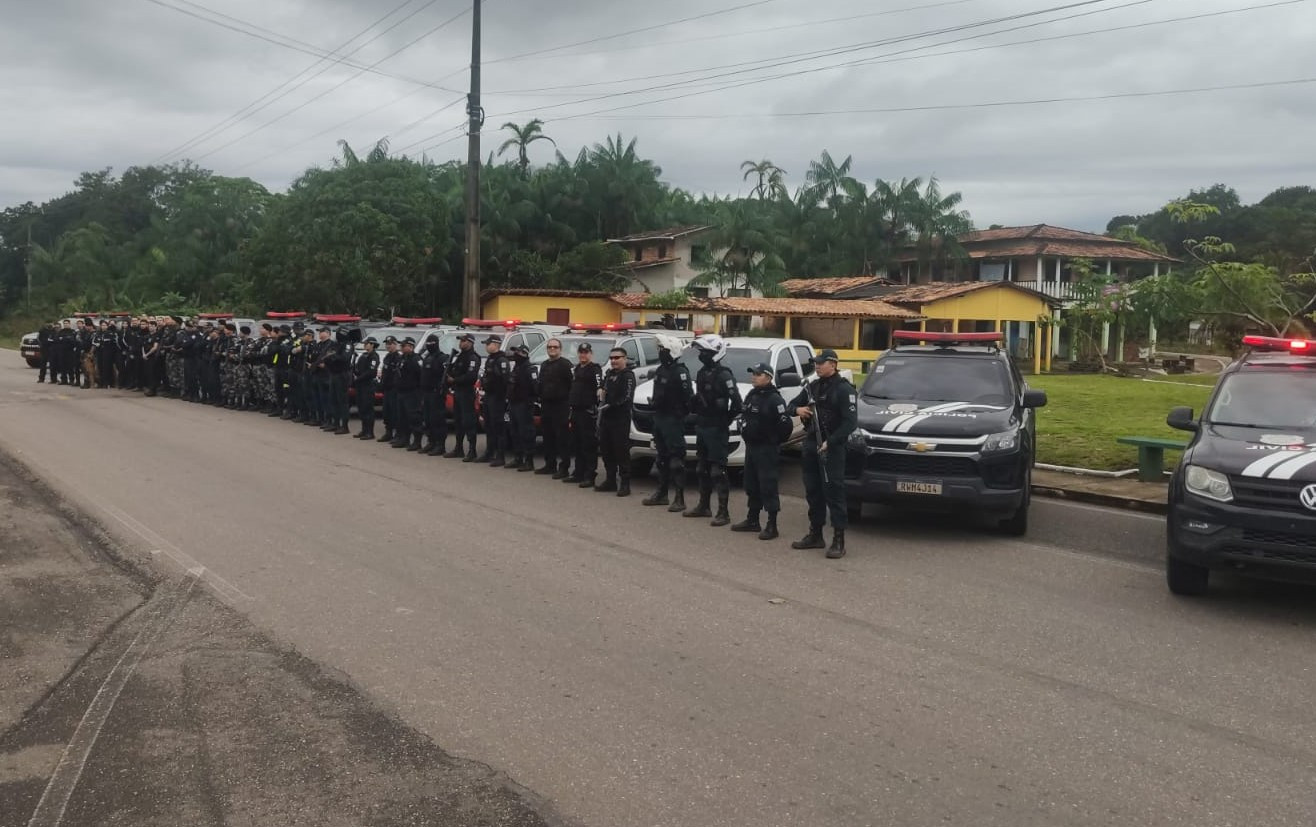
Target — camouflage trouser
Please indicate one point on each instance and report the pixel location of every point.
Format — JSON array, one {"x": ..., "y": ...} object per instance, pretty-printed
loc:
[
  {"x": 242, "y": 384},
  {"x": 174, "y": 371},
  {"x": 265, "y": 384},
  {"x": 226, "y": 381}
]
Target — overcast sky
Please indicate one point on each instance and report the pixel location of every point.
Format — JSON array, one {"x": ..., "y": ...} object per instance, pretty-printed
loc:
[{"x": 90, "y": 84}]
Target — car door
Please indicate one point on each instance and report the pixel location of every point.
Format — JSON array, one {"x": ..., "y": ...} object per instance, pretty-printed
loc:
[
  {"x": 787, "y": 363},
  {"x": 648, "y": 358}
]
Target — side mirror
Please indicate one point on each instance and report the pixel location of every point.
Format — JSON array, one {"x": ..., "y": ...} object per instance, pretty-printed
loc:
[
  {"x": 1181, "y": 419},
  {"x": 810, "y": 366},
  {"x": 1034, "y": 398},
  {"x": 788, "y": 379}
]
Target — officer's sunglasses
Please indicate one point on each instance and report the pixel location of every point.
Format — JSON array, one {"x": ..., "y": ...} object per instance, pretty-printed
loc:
[{"x": 555, "y": 347}]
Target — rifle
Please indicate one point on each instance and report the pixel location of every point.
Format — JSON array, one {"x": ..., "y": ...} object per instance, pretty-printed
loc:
[{"x": 817, "y": 430}]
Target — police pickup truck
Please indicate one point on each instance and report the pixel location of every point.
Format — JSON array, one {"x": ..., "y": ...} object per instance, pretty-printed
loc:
[
  {"x": 1243, "y": 497},
  {"x": 945, "y": 422}
]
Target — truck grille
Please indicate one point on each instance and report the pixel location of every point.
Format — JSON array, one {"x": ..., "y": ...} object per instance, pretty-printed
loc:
[
  {"x": 922, "y": 465},
  {"x": 1279, "y": 495},
  {"x": 1305, "y": 556},
  {"x": 1280, "y": 538}
]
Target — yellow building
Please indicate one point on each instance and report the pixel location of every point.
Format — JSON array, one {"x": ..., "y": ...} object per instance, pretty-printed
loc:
[{"x": 555, "y": 307}]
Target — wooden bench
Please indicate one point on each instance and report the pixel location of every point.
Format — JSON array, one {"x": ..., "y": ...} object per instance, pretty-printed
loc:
[{"x": 1151, "y": 454}]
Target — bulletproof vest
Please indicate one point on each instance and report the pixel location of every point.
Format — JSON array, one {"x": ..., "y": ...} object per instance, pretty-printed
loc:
[{"x": 671, "y": 388}]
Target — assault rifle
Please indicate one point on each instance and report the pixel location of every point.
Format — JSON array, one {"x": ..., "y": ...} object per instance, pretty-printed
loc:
[{"x": 817, "y": 431}]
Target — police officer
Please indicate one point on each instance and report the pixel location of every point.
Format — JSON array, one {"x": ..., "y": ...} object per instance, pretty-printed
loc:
[
  {"x": 493, "y": 386},
  {"x": 280, "y": 353},
  {"x": 408, "y": 390},
  {"x": 365, "y": 371},
  {"x": 615, "y": 424},
  {"x": 520, "y": 408},
  {"x": 671, "y": 400},
  {"x": 321, "y": 384},
  {"x": 586, "y": 384},
  {"x": 836, "y": 403},
  {"x": 302, "y": 354},
  {"x": 151, "y": 358},
  {"x": 45, "y": 337},
  {"x": 86, "y": 358},
  {"x": 339, "y": 364},
  {"x": 434, "y": 396},
  {"x": 105, "y": 344},
  {"x": 463, "y": 373},
  {"x": 716, "y": 406},
  {"x": 388, "y": 382},
  {"x": 554, "y": 386},
  {"x": 764, "y": 425}
]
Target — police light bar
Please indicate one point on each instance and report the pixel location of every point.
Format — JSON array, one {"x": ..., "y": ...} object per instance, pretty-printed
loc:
[
  {"x": 214, "y": 315},
  {"x": 405, "y": 321},
  {"x": 944, "y": 338},
  {"x": 291, "y": 314},
  {"x": 1272, "y": 343},
  {"x": 505, "y": 323},
  {"x": 336, "y": 318},
  {"x": 602, "y": 327}
]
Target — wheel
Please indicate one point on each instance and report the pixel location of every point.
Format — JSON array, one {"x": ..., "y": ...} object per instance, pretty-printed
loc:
[
  {"x": 33, "y": 363},
  {"x": 1184, "y": 578},
  {"x": 1016, "y": 525},
  {"x": 854, "y": 510},
  {"x": 641, "y": 466}
]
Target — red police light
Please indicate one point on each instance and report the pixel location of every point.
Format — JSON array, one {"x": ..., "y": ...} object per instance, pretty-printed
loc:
[
  {"x": 406, "y": 321},
  {"x": 505, "y": 323},
  {"x": 215, "y": 316},
  {"x": 602, "y": 327},
  {"x": 336, "y": 318},
  {"x": 291, "y": 314},
  {"x": 944, "y": 338},
  {"x": 1274, "y": 343}
]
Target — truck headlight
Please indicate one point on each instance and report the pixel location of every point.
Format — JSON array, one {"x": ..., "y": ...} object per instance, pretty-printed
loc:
[
  {"x": 1004, "y": 441},
  {"x": 1207, "y": 483}
]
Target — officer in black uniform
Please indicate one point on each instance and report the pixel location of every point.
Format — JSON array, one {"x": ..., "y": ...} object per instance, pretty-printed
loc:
[
  {"x": 408, "y": 390},
  {"x": 44, "y": 338},
  {"x": 434, "y": 396},
  {"x": 86, "y": 360},
  {"x": 105, "y": 344},
  {"x": 302, "y": 353},
  {"x": 764, "y": 425},
  {"x": 716, "y": 406},
  {"x": 837, "y": 405},
  {"x": 671, "y": 400},
  {"x": 615, "y": 424},
  {"x": 554, "y": 386},
  {"x": 388, "y": 382},
  {"x": 586, "y": 385},
  {"x": 493, "y": 387},
  {"x": 463, "y": 373},
  {"x": 340, "y": 365},
  {"x": 365, "y": 371},
  {"x": 520, "y": 408}
]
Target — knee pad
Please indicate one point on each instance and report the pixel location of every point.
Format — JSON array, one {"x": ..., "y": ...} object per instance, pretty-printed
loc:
[{"x": 719, "y": 473}]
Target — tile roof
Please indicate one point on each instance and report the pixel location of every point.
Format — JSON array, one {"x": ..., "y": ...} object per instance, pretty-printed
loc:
[
  {"x": 1045, "y": 240},
  {"x": 921, "y": 294},
  {"x": 816, "y": 308},
  {"x": 669, "y": 233},
  {"x": 829, "y": 286},
  {"x": 1035, "y": 231},
  {"x": 651, "y": 262},
  {"x": 534, "y": 291}
]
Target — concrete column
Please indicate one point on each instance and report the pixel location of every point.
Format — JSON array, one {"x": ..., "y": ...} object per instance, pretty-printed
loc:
[
  {"x": 786, "y": 334},
  {"x": 1055, "y": 333},
  {"x": 1119, "y": 342},
  {"x": 1009, "y": 269},
  {"x": 1041, "y": 271},
  {"x": 1059, "y": 260},
  {"x": 1151, "y": 340},
  {"x": 1036, "y": 344},
  {"x": 1105, "y": 338},
  {"x": 1156, "y": 269}
]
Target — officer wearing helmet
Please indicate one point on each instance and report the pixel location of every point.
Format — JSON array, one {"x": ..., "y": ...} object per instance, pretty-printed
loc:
[
  {"x": 834, "y": 399},
  {"x": 672, "y": 395},
  {"x": 716, "y": 406},
  {"x": 364, "y": 372}
]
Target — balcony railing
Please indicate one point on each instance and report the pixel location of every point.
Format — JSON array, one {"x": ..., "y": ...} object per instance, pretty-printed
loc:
[{"x": 1064, "y": 291}]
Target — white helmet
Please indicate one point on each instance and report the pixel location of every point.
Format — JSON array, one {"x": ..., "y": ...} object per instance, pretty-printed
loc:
[{"x": 714, "y": 344}]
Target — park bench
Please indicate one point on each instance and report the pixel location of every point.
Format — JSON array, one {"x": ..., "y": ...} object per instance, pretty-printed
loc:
[{"x": 1151, "y": 454}]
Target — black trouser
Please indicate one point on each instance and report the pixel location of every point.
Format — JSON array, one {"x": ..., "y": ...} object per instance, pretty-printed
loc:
[
  {"x": 521, "y": 429},
  {"x": 322, "y": 386},
  {"x": 463, "y": 415},
  {"x": 435, "y": 416},
  {"x": 555, "y": 420},
  {"x": 615, "y": 444},
  {"x": 711, "y": 467},
  {"x": 338, "y": 404},
  {"x": 495, "y": 425},
  {"x": 152, "y": 368},
  {"x": 191, "y": 378},
  {"x": 44, "y": 366},
  {"x": 585, "y": 442},
  {"x": 409, "y": 420},
  {"x": 104, "y": 368},
  {"x": 761, "y": 473},
  {"x": 391, "y": 411},
  {"x": 669, "y": 442},
  {"x": 365, "y": 404},
  {"x": 824, "y": 497},
  {"x": 281, "y": 382}
]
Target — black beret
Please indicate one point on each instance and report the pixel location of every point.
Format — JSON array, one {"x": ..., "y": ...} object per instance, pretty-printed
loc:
[{"x": 245, "y": 331}]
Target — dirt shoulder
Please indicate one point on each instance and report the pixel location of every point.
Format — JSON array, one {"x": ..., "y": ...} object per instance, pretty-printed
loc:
[{"x": 213, "y": 723}]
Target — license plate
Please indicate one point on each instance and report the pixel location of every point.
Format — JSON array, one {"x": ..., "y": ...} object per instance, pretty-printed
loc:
[{"x": 908, "y": 487}]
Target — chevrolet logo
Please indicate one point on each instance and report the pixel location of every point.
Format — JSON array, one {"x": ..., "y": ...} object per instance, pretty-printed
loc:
[{"x": 922, "y": 447}]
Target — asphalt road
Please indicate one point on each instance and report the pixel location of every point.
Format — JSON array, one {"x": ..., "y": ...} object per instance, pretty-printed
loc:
[{"x": 636, "y": 668}]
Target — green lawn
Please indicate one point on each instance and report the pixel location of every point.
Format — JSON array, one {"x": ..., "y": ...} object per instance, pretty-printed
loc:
[
  {"x": 14, "y": 328},
  {"x": 1085, "y": 413}
]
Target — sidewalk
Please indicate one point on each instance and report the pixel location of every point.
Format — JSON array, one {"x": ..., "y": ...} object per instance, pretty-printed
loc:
[{"x": 1125, "y": 492}]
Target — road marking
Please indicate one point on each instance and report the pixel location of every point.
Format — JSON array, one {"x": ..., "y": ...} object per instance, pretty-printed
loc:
[{"x": 64, "y": 780}]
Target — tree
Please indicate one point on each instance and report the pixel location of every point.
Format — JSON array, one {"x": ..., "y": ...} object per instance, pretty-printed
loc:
[
  {"x": 770, "y": 179},
  {"x": 826, "y": 178},
  {"x": 745, "y": 257},
  {"x": 522, "y": 138},
  {"x": 937, "y": 223}
]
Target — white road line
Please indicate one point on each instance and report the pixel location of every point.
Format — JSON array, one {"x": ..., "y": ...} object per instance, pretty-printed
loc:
[{"x": 64, "y": 780}]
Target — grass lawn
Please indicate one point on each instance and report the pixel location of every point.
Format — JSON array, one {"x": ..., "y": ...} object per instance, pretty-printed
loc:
[
  {"x": 1085, "y": 413},
  {"x": 14, "y": 328}
]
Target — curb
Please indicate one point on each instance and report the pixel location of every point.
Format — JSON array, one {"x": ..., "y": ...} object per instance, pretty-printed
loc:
[{"x": 1095, "y": 498}]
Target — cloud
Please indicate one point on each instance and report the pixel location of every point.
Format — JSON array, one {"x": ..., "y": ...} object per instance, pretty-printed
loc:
[{"x": 97, "y": 85}]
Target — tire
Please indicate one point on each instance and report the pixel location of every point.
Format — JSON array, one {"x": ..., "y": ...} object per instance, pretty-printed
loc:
[
  {"x": 1183, "y": 578},
  {"x": 641, "y": 466},
  {"x": 1016, "y": 525},
  {"x": 33, "y": 363}
]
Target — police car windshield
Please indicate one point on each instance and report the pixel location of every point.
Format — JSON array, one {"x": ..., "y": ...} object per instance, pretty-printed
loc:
[
  {"x": 1270, "y": 399},
  {"x": 939, "y": 378},
  {"x": 738, "y": 359},
  {"x": 601, "y": 345}
]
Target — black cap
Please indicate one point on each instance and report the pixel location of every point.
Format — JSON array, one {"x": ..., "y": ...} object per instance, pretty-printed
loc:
[
  {"x": 521, "y": 349},
  {"x": 409, "y": 341},
  {"x": 230, "y": 327},
  {"x": 762, "y": 367},
  {"x": 370, "y": 340},
  {"x": 266, "y": 326},
  {"x": 392, "y": 339},
  {"x": 298, "y": 325},
  {"x": 245, "y": 331},
  {"x": 584, "y": 347},
  {"x": 323, "y": 329},
  {"x": 466, "y": 337},
  {"x": 827, "y": 355},
  {"x": 283, "y": 328},
  {"x": 492, "y": 340}
]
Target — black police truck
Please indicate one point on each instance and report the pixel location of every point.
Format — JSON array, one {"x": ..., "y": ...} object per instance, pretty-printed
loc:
[
  {"x": 1243, "y": 497},
  {"x": 945, "y": 422}
]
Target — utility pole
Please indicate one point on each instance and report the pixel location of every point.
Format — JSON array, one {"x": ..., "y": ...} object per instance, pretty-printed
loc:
[{"x": 471, "y": 283}]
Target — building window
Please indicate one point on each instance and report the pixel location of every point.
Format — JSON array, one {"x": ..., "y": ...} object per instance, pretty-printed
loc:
[
  {"x": 639, "y": 254},
  {"x": 559, "y": 315},
  {"x": 697, "y": 292},
  {"x": 874, "y": 335},
  {"x": 662, "y": 251},
  {"x": 740, "y": 292}
]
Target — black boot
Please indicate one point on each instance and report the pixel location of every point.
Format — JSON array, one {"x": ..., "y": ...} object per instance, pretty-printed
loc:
[
  {"x": 837, "y": 551},
  {"x": 658, "y": 497},
  {"x": 498, "y": 461},
  {"x": 705, "y": 494},
  {"x": 527, "y": 464},
  {"x": 587, "y": 482},
  {"x": 400, "y": 441},
  {"x": 341, "y": 430},
  {"x": 723, "y": 514},
  {"x": 769, "y": 531},
  {"x": 415, "y": 443},
  {"x": 455, "y": 453},
  {"x": 609, "y": 484},
  {"x": 435, "y": 449},
  {"x": 470, "y": 455},
  {"x": 750, "y": 523},
  {"x": 549, "y": 467},
  {"x": 387, "y": 437},
  {"x": 485, "y": 457},
  {"x": 515, "y": 464},
  {"x": 624, "y": 487},
  {"x": 678, "y": 500},
  {"x": 563, "y": 472},
  {"x": 813, "y": 539}
]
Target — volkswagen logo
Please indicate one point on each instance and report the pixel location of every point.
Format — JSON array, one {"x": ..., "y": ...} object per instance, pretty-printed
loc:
[{"x": 1308, "y": 497}]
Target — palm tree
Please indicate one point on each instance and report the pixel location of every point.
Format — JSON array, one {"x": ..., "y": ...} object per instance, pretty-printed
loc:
[
  {"x": 747, "y": 259},
  {"x": 897, "y": 204},
  {"x": 826, "y": 178},
  {"x": 938, "y": 223},
  {"x": 522, "y": 138},
  {"x": 771, "y": 180},
  {"x": 624, "y": 187}
]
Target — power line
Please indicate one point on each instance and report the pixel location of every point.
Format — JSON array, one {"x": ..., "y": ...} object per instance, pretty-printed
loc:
[
  {"x": 978, "y": 105},
  {"x": 259, "y": 103},
  {"x": 339, "y": 85},
  {"x": 421, "y": 120}
]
